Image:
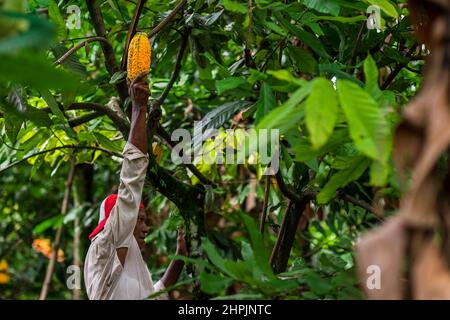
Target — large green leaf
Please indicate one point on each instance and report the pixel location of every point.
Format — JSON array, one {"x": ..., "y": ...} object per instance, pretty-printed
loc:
[
  {"x": 289, "y": 114},
  {"x": 304, "y": 151},
  {"x": 229, "y": 84},
  {"x": 324, "y": 6},
  {"x": 39, "y": 35},
  {"x": 303, "y": 60},
  {"x": 213, "y": 284},
  {"x": 265, "y": 104},
  {"x": 367, "y": 125},
  {"x": 56, "y": 17},
  {"x": 321, "y": 110},
  {"x": 234, "y": 6},
  {"x": 371, "y": 75},
  {"x": 260, "y": 252},
  {"x": 34, "y": 70}
]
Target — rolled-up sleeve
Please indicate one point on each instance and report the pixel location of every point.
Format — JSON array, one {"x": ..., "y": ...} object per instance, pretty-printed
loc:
[
  {"x": 124, "y": 214},
  {"x": 159, "y": 286}
]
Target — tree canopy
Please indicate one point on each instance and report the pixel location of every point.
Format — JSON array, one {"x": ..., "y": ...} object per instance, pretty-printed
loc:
[{"x": 310, "y": 68}]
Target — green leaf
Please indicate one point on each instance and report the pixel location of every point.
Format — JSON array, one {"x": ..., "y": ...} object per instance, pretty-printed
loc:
[
  {"x": 386, "y": 6},
  {"x": 334, "y": 70},
  {"x": 52, "y": 222},
  {"x": 287, "y": 115},
  {"x": 118, "y": 77},
  {"x": 12, "y": 126},
  {"x": 213, "y": 284},
  {"x": 56, "y": 17},
  {"x": 307, "y": 38},
  {"x": 371, "y": 74},
  {"x": 324, "y": 6},
  {"x": 303, "y": 60},
  {"x": 265, "y": 104},
  {"x": 341, "y": 19},
  {"x": 72, "y": 63},
  {"x": 304, "y": 151},
  {"x": 234, "y": 6},
  {"x": 321, "y": 110},
  {"x": 356, "y": 167},
  {"x": 214, "y": 256},
  {"x": 53, "y": 105},
  {"x": 39, "y": 34},
  {"x": 217, "y": 117},
  {"x": 260, "y": 252},
  {"x": 367, "y": 125},
  {"x": 107, "y": 143},
  {"x": 229, "y": 84},
  {"x": 34, "y": 70}
]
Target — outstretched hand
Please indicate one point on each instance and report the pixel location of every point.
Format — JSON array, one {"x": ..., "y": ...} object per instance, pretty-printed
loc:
[{"x": 139, "y": 91}]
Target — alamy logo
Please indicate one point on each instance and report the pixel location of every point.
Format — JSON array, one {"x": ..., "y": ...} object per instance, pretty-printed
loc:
[
  {"x": 373, "y": 281},
  {"x": 74, "y": 19},
  {"x": 374, "y": 20},
  {"x": 74, "y": 280}
]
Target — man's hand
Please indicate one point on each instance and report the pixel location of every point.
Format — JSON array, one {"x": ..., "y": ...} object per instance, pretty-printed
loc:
[
  {"x": 181, "y": 244},
  {"x": 138, "y": 90}
]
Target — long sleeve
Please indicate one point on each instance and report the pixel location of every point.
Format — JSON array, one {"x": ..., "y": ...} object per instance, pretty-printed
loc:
[{"x": 124, "y": 214}]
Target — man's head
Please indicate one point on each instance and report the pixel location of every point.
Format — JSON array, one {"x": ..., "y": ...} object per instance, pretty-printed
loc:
[{"x": 140, "y": 229}]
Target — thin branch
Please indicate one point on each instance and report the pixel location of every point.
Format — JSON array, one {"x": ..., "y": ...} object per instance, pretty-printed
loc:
[
  {"x": 74, "y": 122},
  {"x": 177, "y": 68},
  {"x": 132, "y": 31},
  {"x": 55, "y": 245},
  {"x": 285, "y": 190},
  {"x": 108, "y": 51},
  {"x": 397, "y": 70},
  {"x": 77, "y": 47},
  {"x": 357, "y": 202},
  {"x": 121, "y": 123},
  {"x": 166, "y": 20},
  {"x": 247, "y": 52},
  {"x": 262, "y": 218},
  {"x": 109, "y": 152}
]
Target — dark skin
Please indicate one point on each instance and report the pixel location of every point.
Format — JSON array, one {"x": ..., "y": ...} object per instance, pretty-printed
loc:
[{"x": 139, "y": 94}]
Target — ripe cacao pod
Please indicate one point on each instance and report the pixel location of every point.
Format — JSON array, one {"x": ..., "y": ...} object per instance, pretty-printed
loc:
[{"x": 139, "y": 55}]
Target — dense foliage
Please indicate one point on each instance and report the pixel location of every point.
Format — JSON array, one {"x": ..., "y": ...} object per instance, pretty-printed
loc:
[{"x": 310, "y": 68}]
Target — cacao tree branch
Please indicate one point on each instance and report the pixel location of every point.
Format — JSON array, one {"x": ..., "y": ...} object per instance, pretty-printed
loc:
[
  {"x": 177, "y": 68},
  {"x": 74, "y": 122},
  {"x": 108, "y": 51},
  {"x": 166, "y": 20},
  {"x": 77, "y": 47},
  {"x": 285, "y": 190},
  {"x": 120, "y": 121},
  {"x": 132, "y": 31}
]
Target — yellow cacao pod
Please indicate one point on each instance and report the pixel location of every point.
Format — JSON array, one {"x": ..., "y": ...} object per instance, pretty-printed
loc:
[{"x": 139, "y": 55}]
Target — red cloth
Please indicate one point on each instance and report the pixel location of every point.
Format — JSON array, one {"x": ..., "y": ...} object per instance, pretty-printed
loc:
[{"x": 105, "y": 210}]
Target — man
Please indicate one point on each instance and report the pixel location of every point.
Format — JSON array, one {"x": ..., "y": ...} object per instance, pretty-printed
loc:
[{"x": 114, "y": 267}]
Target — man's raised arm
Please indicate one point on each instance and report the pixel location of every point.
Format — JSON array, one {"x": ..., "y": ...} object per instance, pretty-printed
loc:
[{"x": 132, "y": 175}]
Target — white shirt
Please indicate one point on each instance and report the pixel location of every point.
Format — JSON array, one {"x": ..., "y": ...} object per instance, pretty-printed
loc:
[{"x": 104, "y": 275}]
